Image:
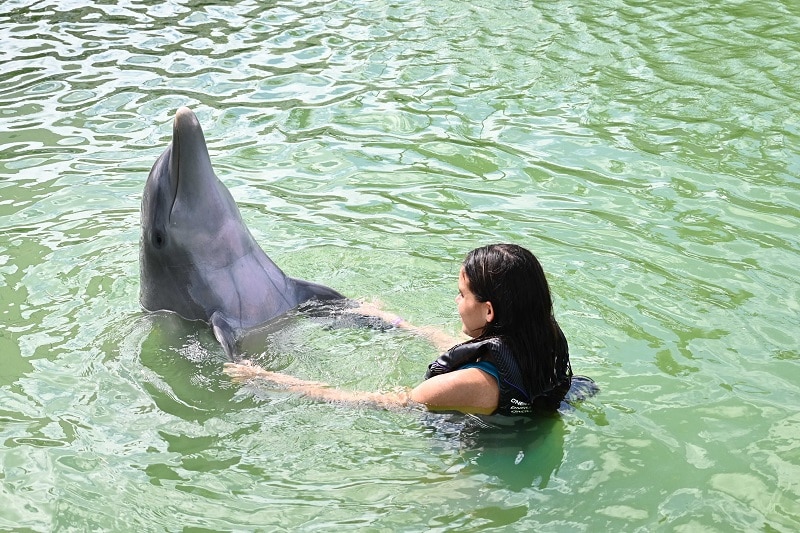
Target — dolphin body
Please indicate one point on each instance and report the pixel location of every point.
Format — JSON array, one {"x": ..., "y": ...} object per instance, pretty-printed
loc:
[{"x": 197, "y": 258}]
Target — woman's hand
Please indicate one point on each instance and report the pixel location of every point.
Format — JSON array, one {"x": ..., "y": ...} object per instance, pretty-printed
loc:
[{"x": 244, "y": 371}]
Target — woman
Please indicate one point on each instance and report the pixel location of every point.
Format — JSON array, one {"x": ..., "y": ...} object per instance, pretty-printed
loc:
[{"x": 516, "y": 361}]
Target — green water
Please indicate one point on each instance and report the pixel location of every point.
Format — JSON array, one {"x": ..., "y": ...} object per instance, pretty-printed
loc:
[{"x": 647, "y": 152}]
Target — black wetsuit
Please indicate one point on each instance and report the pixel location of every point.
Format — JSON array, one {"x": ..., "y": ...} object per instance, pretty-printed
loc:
[{"x": 515, "y": 399}]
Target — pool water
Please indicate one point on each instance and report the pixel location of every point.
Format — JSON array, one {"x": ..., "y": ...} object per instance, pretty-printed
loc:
[{"x": 648, "y": 153}]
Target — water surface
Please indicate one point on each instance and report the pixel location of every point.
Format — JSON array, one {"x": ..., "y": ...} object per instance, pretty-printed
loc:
[{"x": 647, "y": 153}]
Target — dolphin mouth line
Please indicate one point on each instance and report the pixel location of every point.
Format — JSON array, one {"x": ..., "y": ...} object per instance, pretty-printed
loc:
[{"x": 177, "y": 161}]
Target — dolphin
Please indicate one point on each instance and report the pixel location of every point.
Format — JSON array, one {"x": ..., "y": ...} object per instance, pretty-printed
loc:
[{"x": 196, "y": 256}]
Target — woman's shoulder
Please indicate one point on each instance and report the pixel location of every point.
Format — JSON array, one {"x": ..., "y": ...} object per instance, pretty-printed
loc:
[{"x": 469, "y": 390}]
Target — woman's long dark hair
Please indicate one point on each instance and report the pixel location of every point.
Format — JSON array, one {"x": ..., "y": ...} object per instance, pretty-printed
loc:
[{"x": 511, "y": 278}]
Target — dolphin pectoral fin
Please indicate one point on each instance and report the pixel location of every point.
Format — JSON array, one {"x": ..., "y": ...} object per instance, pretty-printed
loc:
[
  {"x": 224, "y": 334},
  {"x": 307, "y": 290}
]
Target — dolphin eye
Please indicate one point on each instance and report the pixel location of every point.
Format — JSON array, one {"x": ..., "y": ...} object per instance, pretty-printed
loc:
[{"x": 159, "y": 239}]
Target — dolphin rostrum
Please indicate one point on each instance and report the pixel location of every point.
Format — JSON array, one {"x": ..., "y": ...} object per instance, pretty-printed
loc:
[{"x": 197, "y": 258}]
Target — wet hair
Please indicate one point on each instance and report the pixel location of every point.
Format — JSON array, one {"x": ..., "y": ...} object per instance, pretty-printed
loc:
[{"x": 513, "y": 280}]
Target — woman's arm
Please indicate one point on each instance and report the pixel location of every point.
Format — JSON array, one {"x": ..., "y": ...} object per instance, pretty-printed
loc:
[
  {"x": 469, "y": 391},
  {"x": 246, "y": 371},
  {"x": 440, "y": 340}
]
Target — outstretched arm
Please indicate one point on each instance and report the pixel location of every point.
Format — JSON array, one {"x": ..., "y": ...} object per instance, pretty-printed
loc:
[
  {"x": 440, "y": 340},
  {"x": 468, "y": 391},
  {"x": 316, "y": 390}
]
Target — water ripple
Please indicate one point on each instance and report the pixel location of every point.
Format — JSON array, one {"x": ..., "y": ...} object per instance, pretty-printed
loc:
[{"x": 647, "y": 152}]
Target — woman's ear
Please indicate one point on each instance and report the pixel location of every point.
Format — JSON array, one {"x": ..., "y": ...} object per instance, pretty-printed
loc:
[{"x": 489, "y": 311}]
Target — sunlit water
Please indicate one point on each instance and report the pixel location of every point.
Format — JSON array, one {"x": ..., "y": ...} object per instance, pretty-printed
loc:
[{"x": 647, "y": 152}]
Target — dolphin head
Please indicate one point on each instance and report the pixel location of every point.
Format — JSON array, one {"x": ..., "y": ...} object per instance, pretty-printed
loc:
[{"x": 190, "y": 225}]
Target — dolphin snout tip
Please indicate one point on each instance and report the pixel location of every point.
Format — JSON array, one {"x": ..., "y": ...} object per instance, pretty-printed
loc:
[
  {"x": 183, "y": 110},
  {"x": 185, "y": 117}
]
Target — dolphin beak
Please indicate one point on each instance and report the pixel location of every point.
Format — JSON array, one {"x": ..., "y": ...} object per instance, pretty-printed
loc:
[{"x": 190, "y": 163}]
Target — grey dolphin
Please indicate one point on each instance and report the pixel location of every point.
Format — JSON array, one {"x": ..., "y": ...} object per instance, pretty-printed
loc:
[{"x": 197, "y": 257}]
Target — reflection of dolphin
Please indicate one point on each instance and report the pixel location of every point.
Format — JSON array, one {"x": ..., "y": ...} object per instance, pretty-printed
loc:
[{"x": 197, "y": 257}]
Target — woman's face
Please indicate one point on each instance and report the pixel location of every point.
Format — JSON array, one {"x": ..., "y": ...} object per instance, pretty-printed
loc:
[{"x": 474, "y": 314}]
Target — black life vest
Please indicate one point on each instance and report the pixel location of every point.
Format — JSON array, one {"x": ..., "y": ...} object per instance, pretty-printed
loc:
[{"x": 514, "y": 399}]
